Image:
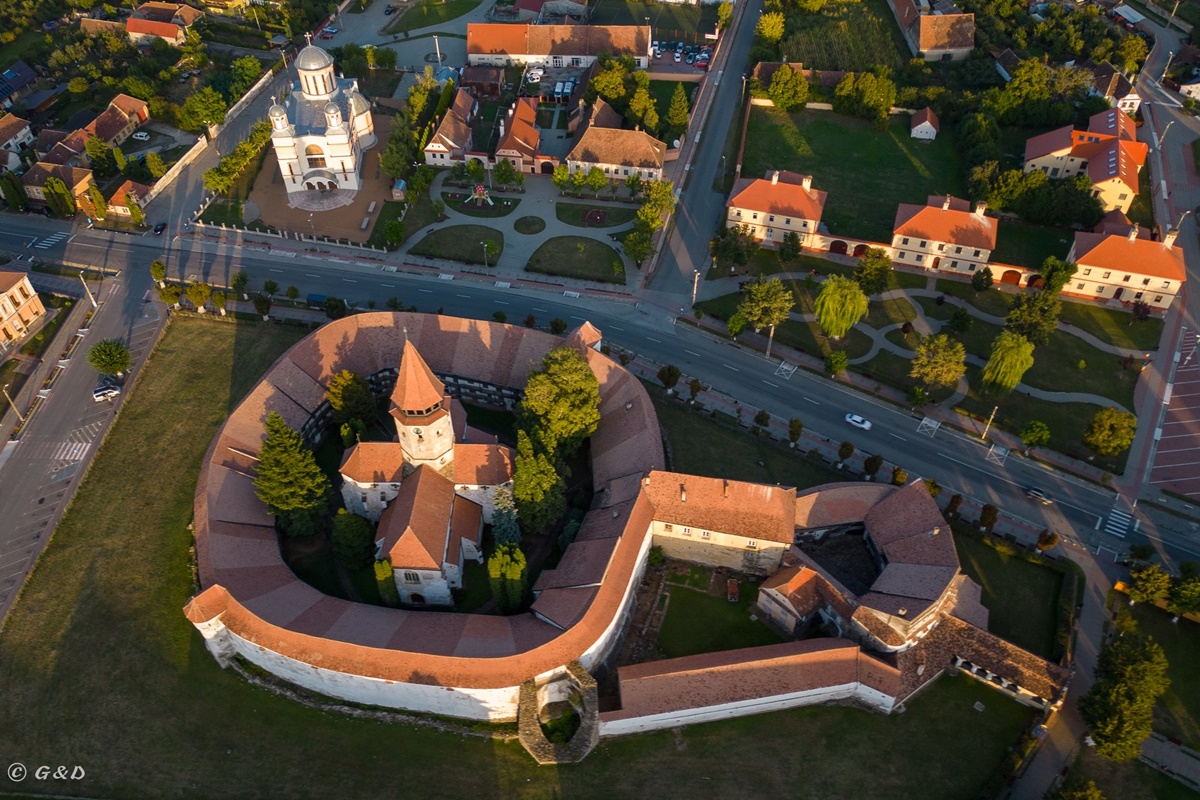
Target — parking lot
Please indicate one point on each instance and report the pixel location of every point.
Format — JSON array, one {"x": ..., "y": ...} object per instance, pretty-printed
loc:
[{"x": 1177, "y": 460}]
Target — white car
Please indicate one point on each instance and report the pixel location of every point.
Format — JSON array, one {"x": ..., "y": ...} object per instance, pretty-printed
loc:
[
  {"x": 858, "y": 422},
  {"x": 330, "y": 29},
  {"x": 534, "y": 77},
  {"x": 678, "y": 58},
  {"x": 140, "y": 136},
  {"x": 105, "y": 393},
  {"x": 658, "y": 53}
]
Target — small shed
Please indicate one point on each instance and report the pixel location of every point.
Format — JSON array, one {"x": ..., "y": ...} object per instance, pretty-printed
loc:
[
  {"x": 400, "y": 190},
  {"x": 924, "y": 125},
  {"x": 483, "y": 82}
]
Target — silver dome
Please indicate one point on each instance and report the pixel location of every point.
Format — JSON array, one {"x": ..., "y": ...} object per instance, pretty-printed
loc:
[
  {"x": 313, "y": 58},
  {"x": 276, "y": 110},
  {"x": 331, "y": 108},
  {"x": 358, "y": 104}
]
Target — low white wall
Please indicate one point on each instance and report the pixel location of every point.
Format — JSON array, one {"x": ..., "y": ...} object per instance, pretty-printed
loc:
[
  {"x": 494, "y": 705},
  {"x": 600, "y": 650},
  {"x": 173, "y": 173}
]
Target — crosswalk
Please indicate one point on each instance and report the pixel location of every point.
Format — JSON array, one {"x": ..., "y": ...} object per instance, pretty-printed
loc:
[
  {"x": 51, "y": 241},
  {"x": 1117, "y": 523},
  {"x": 71, "y": 450}
]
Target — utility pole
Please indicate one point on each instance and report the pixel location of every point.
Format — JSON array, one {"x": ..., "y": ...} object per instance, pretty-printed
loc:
[
  {"x": 14, "y": 405},
  {"x": 1168, "y": 66},
  {"x": 89, "y": 291},
  {"x": 988, "y": 427},
  {"x": 695, "y": 284},
  {"x": 1164, "y": 134}
]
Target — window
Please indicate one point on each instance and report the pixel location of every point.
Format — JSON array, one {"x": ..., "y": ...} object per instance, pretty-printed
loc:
[
  {"x": 687, "y": 531},
  {"x": 627, "y": 172},
  {"x": 804, "y": 224},
  {"x": 1126, "y": 279},
  {"x": 751, "y": 544},
  {"x": 771, "y": 218},
  {"x": 315, "y": 156},
  {"x": 957, "y": 250},
  {"x": 1099, "y": 290},
  {"x": 1080, "y": 285},
  {"x": 1158, "y": 298},
  {"x": 1087, "y": 272},
  {"x": 1123, "y": 197},
  {"x": 904, "y": 240},
  {"x": 739, "y": 214},
  {"x": 1106, "y": 275},
  {"x": 383, "y": 495},
  {"x": 668, "y": 526},
  {"x": 1054, "y": 172},
  {"x": 412, "y": 577},
  {"x": 971, "y": 268},
  {"x": 923, "y": 243},
  {"x": 705, "y": 535},
  {"x": 1145, "y": 281},
  {"x": 920, "y": 257},
  {"x": 1166, "y": 284},
  {"x": 754, "y": 216},
  {"x": 1138, "y": 296},
  {"x": 977, "y": 254},
  {"x": 364, "y": 497},
  {"x": 787, "y": 221},
  {"x": 941, "y": 248}
]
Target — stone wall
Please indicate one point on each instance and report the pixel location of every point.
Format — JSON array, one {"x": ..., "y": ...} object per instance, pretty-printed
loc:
[{"x": 584, "y": 699}]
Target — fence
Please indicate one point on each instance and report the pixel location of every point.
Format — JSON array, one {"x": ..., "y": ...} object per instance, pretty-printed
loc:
[{"x": 173, "y": 173}]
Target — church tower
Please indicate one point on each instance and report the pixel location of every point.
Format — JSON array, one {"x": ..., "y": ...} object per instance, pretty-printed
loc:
[{"x": 421, "y": 409}]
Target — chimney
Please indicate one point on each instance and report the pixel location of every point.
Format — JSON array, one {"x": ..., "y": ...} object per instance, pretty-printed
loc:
[
  {"x": 903, "y": 611},
  {"x": 980, "y": 209},
  {"x": 806, "y": 183},
  {"x": 1169, "y": 237},
  {"x": 1133, "y": 233},
  {"x": 946, "y": 203},
  {"x": 646, "y": 480},
  {"x": 682, "y": 493},
  {"x": 775, "y": 177}
]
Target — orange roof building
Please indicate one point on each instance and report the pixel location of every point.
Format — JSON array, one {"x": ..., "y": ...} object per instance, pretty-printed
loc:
[
  {"x": 935, "y": 31},
  {"x": 1108, "y": 152},
  {"x": 944, "y": 234},
  {"x": 453, "y": 136},
  {"x": 520, "y": 139},
  {"x": 924, "y": 125},
  {"x": 1127, "y": 266},
  {"x": 166, "y": 21},
  {"x": 772, "y": 207},
  {"x": 499, "y": 44}
]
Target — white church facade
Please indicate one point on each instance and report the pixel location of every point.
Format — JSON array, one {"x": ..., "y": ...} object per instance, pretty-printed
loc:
[{"x": 320, "y": 133}]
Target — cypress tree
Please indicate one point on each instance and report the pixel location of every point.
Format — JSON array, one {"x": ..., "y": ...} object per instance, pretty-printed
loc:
[{"x": 289, "y": 480}]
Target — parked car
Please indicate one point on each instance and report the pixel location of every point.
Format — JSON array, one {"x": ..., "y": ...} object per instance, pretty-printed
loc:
[
  {"x": 532, "y": 78},
  {"x": 159, "y": 228},
  {"x": 102, "y": 393},
  {"x": 691, "y": 58},
  {"x": 658, "y": 53},
  {"x": 679, "y": 47},
  {"x": 1034, "y": 493},
  {"x": 330, "y": 29},
  {"x": 325, "y": 36},
  {"x": 389, "y": 11},
  {"x": 655, "y": 44},
  {"x": 858, "y": 422},
  {"x": 678, "y": 58},
  {"x": 140, "y": 136}
]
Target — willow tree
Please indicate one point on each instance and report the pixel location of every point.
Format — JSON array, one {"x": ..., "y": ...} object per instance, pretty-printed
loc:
[
  {"x": 839, "y": 305},
  {"x": 1011, "y": 357}
]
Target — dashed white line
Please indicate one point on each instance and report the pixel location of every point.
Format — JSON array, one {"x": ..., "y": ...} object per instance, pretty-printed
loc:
[
  {"x": 692, "y": 352},
  {"x": 463, "y": 295},
  {"x": 502, "y": 303},
  {"x": 901, "y": 438},
  {"x": 814, "y": 402},
  {"x": 735, "y": 369},
  {"x": 543, "y": 310},
  {"x": 426, "y": 291},
  {"x": 310, "y": 275},
  {"x": 768, "y": 383},
  {"x": 388, "y": 285},
  {"x": 652, "y": 339},
  {"x": 347, "y": 280},
  {"x": 274, "y": 270},
  {"x": 615, "y": 328},
  {"x": 581, "y": 319}
]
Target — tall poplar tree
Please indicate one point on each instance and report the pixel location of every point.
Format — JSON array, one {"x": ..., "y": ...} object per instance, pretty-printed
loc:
[{"x": 289, "y": 480}]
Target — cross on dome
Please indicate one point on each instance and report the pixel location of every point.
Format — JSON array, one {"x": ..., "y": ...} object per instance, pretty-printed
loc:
[{"x": 308, "y": 38}]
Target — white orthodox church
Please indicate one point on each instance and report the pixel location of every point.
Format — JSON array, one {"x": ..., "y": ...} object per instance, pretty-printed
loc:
[{"x": 320, "y": 133}]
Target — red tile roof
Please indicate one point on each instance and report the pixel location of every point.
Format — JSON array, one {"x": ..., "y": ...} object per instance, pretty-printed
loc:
[
  {"x": 950, "y": 225},
  {"x": 415, "y": 526},
  {"x": 781, "y": 192},
  {"x": 110, "y": 123},
  {"x": 417, "y": 388},
  {"x": 750, "y": 510},
  {"x": 946, "y": 32},
  {"x": 925, "y": 115},
  {"x": 163, "y": 30},
  {"x": 1140, "y": 256},
  {"x": 132, "y": 106},
  {"x": 11, "y": 127},
  {"x": 9, "y": 279},
  {"x": 521, "y": 135},
  {"x": 373, "y": 462},
  {"x": 484, "y": 38},
  {"x": 483, "y": 464}
]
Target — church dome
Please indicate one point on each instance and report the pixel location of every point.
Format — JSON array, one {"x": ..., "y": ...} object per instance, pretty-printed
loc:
[
  {"x": 313, "y": 58},
  {"x": 276, "y": 111},
  {"x": 358, "y": 104},
  {"x": 331, "y": 109}
]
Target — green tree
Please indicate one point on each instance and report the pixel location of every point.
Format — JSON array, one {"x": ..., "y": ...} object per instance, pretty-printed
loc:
[
  {"x": 724, "y": 14},
  {"x": 788, "y": 89},
  {"x": 99, "y": 206},
  {"x": 1011, "y": 357},
  {"x": 766, "y": 302},
  {"x": 1184, "y": 596},
  {"x": 289, "y": 480},
  {"x": 1079, "y": 789},
  {"x": 119, "y": 159},
  {"x": 1148, "y": 583},
  {"x": 205, "y": 107},
  {"x": 789, "y": 248},
  {"x": 872, "y": 464},
  {"x": 198, "y": 293},
  {"x": 609, "y": 83},
  {"x": 982, "y": 280},
  {"x": 1047, "y": 539},
  {"x": 350, "y": 397},
  {"x": 1056, "y": 273},
  {"x": 393, "y": 231},
  {"x": 873, "y": 272},
  {"x": 504, "y": 172},
  {"x": 770, "y": 27},
  {"x": 505, "y": 529},
  {"x": 239, "y": 281},
  {"x": 397, "y": 157},
  {"x": 1034, "y": 316},
  {"x": 677, "y": 113},
  {"x": 78, "y": 85},
  {"x": 270, "y": 288},
  {"x": 638, "y": 245},
  {"x": 836, "y": 362},
  {"x": 899, "y": 476},
  {"x": 988, "y": 516},
  {"x": 1035, "y": 434},
  {"x": 136, "y": 215},
  {"x": 940, "y": 361},
  {"x": 170, "y": 294},
  {"x": 61, "y": 201},
  {"x": 218, "y": 301},
  {"x": 155, "y": 165},
  {"x": 795, "y": 430},
  {"x": 960, "y": 321},
  {"x": 385, "y": 580},
  {"x": 668, "y": 376},
  {"x": 292, "y": 293},
  {"x": 262, "y": 304},
  {"x": 538, "y": 490},
  {"x": 596, "y": 179},
  {"x": 1110, "y": 432},
  {"x": 641, "y": 105},
  {"x": 353, "y": 539},
  {"x": 562, "y": 403},
  {"x": 1131, "y": 52},
  {"x": 385, "y": 58},
  {"x": 839, "y": 306},
  {"x": 158, "y": 271},
  {"x": 1131, "y": 673},
  {"x": 109, "y": 357},
  {"x": 561, "y": 177},
  {"x": 14, "y": 192},
  {"x": 507, "y": 575}
]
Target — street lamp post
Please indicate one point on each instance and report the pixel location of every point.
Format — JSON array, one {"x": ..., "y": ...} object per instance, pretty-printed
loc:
[
  {"x": 312, "y": 226},
  {"x": 695, "y": 284},
  {"x": 1164, "y": 134},
  {"x": 485, "y": 261},
  {"x": 16, "y": 410},
  {"x": 1170, "y": 56},
  {"x": 438, "y": 48},
  {"x": 89, "y": 291},
  {"x": 988, "y": 427}
]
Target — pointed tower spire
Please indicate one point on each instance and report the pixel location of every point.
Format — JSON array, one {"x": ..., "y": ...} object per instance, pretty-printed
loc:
[{"x": 418, "y": 391}]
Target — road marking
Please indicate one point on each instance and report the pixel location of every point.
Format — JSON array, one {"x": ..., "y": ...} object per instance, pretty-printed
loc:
[
  {"x": 274, "y": 270},
  {"x": 615, "y": 328},
  {"x": 426, "y": 291},
  {"x": 347, "y": 280},
  {"x": 814, "y": 402},
  {"x": 735, "y": 369},
  {"x": 651, "y": 338},
  {"x": 581, "y": 319},
  {"x": 502, "y": 303},
  {"x": 535, "y": 308},
  {"x": 463, "y": 295},
  {"x": 901, "y": 438},
  {"x": 310, "y": 275},
  {"x": 768, "y": 383},
  {"x": 388, "y": 285},
  {"x": 692, "y": 352}
]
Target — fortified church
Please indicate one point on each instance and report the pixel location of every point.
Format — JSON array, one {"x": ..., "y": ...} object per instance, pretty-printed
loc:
[{"x": 319, "y": 134}]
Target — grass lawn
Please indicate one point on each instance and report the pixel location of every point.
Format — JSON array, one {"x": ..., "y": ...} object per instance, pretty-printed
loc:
[
  {"x": 850, "y": 35},
  {"x": 529, "y": 225},
  {"x": 98, "y": 661},
  {"x": 460, "y": 202},
  {"x": 694, "y": 575},
  {"x": 1021, "y": 597},
  {"x": 1130, "y": 781},
  {"x": 993, "y": 301},
  {"x": 223, "y": 212},
  {"x": 423, "y": 16},
  {"x": 866, "y": 174},
  {"x": 462, "y": 243},
  {"x": 574, "y": 213},
  {"x": 380, "y": 82},
  {"x": 1141, "y": 210},
  {"x": 894, "y": 311},
  {"x": 420, "y": 215},
  {"x": 42, "y": 341},
  {"x": 1028, "y": 245},
  {"x": 701, "y": 445},
  {"x": 670, "y": 22},
  {"x": 578, "y": 257},
  {"x": 1056, "y": 369},
  {"x": 1115, "y": 327},
  {"x": 698, "y": 622},
  {"x": 766, "y": 262},
  {"x": 804, "y": 336},
  {"x": 1177, "y": 713}
]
